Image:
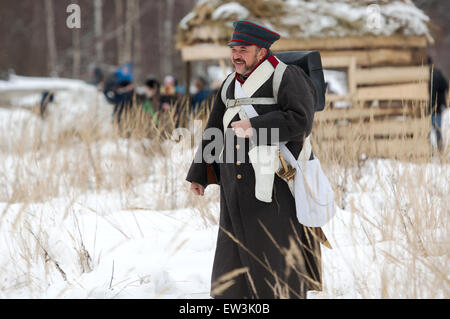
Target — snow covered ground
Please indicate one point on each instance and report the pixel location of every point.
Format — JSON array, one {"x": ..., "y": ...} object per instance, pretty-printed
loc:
[{"x": 143, "y": 235}]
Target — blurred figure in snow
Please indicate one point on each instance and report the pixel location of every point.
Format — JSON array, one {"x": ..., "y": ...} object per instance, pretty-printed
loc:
[
  {"x": 96, "y": 76},
  {"x": 149, "y": 97},
  {"x": 169, "y": 93},
  {"x": 119, "y": 90},
  {"x": 203, "y": 92},
  {"x": 438, "y": 86},
  {"x": 179, "y": 88},
  {"x": 46, "y": 99}
]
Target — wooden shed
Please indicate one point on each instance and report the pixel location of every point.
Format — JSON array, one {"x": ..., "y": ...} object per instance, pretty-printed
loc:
[{"x": 378, "y": 49}]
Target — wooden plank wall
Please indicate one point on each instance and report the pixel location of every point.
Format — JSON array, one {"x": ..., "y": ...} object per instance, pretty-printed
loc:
[
  {"x": 387, "y": 70},
  {"x": 397, "y": 127},
  {"x": 398, "y": 83}
]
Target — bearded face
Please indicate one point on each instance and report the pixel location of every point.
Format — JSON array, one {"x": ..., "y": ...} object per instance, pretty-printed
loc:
[{"x": 245, "y": 58}]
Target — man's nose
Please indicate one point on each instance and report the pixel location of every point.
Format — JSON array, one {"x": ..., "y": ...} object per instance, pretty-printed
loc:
[{"x": 236, "y": 56}]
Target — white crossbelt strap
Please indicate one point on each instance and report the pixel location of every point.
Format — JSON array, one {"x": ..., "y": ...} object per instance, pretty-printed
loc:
[
  {"x": 277, "y": 77},
  {"x": 251, "y": 100},
  {"x": 256, "y": 79},
  {"x": 227, "y": 83}
]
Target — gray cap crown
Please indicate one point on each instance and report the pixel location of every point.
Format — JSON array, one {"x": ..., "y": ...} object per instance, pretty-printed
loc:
[{"x": 252, "y": 33}]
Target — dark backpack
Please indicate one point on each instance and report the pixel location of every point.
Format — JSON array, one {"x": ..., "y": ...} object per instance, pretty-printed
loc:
[
  {"x": 309, "y": 61},
  {"x": 311, "y": 64}
]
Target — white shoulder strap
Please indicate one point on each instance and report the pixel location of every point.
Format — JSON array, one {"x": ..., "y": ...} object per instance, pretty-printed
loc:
[
  {"x": 225, "y": 86},
  {"x": 305, "y": 153},
  {"x": 277, "y": 77}
]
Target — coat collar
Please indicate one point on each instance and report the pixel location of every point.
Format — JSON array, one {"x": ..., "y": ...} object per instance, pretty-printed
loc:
[
  {"x": 259, "y": 76},
  {"x": 269, "y": 56}
]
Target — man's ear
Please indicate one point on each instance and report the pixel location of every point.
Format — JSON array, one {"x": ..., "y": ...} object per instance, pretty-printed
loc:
[{"x": 262, "y": 53}]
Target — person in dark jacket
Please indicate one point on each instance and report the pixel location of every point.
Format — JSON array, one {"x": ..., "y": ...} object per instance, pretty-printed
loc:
[
  {"x": 149, "y": 98},
  {"x": 438, "y": 87},
  {"x": 119, "y": 90},
  {"x": 96, "y": 76},
  {"x": 46, "y": 99},
  {"x": 261, "y": 245},
  {"x": 123, "y": 100},
  {"x": 169, "y": 94},
  {"x": 203, "y": 92}
]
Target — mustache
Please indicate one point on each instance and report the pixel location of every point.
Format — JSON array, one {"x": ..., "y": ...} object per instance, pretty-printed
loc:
[{"x": 238, "y": 60}]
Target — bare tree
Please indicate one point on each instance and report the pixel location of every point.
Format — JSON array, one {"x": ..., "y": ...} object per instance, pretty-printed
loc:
[
  {"x": 159, "y": 35},
  {"x": 37, "y": 30},
  {"x": 52, "y": 61},
  {"x": 128, "y": 45},
  {"x": 168, "y": 36},
  {"x": 137, "y": 57},
  {"x": 98, "y": 30},
  {"x": 76, "y": 44},
  {"x": 76, "y": 50},
  {"x": 120, "y": 35}
]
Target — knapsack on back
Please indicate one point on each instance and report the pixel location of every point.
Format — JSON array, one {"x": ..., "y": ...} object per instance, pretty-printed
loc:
[
  {"x": 309, "y": 61},
  {"x": 311, "y": 64}
]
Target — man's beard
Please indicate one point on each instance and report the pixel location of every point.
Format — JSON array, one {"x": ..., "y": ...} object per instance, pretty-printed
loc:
[{"x": 246, "y": 67}]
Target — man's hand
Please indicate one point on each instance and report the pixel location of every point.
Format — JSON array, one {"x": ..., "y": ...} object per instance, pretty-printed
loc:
[
  {"x": 242, "y": 128},
  {"x": 197, "y": 189}
]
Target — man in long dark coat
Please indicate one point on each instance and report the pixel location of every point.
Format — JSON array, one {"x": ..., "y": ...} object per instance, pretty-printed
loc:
[{"x": 262, "y": 250}]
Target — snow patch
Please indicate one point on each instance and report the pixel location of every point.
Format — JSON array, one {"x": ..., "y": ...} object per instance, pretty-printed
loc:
[{"x": 229, "y": 10}]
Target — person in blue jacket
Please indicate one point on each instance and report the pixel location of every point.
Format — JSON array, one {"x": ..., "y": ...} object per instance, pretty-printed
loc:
[
  {"x": 203, "y": 92},
  {"x": 119, "y": 90}
]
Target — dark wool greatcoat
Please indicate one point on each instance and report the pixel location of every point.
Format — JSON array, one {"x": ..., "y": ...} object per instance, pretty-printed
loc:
[{"x": 256, "y": 235}]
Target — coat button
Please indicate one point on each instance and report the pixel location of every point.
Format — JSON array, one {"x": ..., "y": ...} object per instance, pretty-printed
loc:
[
  {"x": 238, "y": 163},
  {"x": 237, "y": 146},
  {"x": 239, "y": 176}
]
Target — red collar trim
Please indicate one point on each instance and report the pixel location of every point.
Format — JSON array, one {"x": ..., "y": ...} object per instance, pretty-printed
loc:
[
  {"x": 237, "y": 76},
  {"x": 273, "y": 60}
]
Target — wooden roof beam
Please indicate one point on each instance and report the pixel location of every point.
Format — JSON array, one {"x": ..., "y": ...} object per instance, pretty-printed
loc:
[{"x": 360, "y": 42}]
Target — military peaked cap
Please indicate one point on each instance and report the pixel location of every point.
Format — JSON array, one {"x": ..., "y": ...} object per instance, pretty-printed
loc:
[{"x": 252, "y": 33}]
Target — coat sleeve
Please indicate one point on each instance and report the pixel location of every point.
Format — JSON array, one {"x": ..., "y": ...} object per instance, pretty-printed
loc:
[
  {"x": 296, "y": 100},
  {"x": 200, "y": 171}
]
